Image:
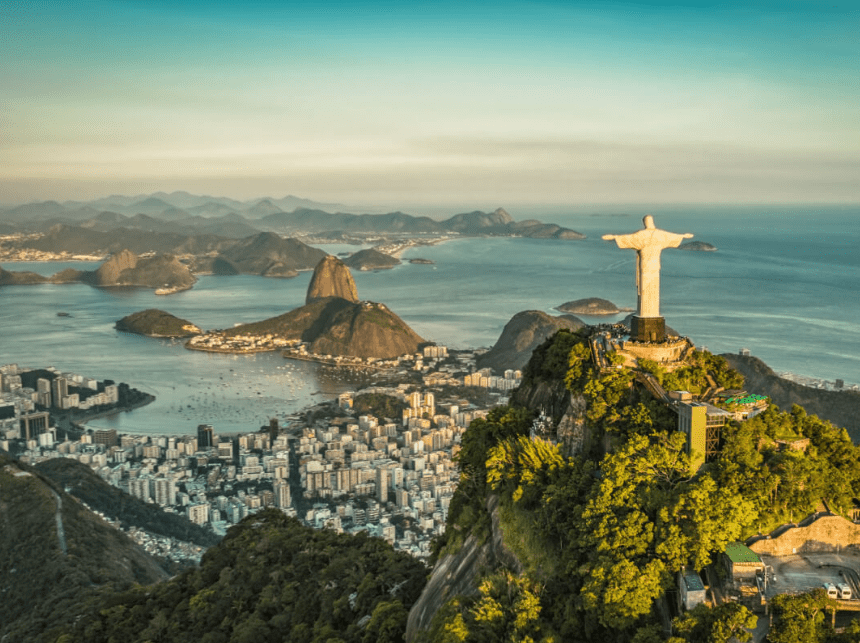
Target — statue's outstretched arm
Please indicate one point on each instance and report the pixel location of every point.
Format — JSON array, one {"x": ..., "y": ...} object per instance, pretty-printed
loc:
[{"x": 609, "y": 237}]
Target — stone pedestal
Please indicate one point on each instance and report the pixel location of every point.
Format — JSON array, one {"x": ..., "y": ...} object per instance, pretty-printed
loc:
[{"x": 647, "y": 329}]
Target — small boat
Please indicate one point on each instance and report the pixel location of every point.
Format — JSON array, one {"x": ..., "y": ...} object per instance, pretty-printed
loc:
[{"x": 64, "y": 314}]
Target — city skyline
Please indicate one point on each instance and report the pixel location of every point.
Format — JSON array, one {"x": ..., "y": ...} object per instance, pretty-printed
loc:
[{"x": 388, "y": 105}]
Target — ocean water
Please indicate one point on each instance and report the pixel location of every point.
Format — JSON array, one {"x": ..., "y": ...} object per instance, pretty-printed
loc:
[{"x": 785, "y": 283}]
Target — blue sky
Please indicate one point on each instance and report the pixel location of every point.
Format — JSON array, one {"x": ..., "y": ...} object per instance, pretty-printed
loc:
[{"x": 432, "y": 103}]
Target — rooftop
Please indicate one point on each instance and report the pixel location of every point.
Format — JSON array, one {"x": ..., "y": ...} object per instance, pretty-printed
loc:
[
  {"x": 740, "y": 553},
  {"x": 693, "y": 581}
]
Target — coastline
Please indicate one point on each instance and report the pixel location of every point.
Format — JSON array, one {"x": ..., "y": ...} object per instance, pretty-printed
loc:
[
  {"x": 397, "y": 248},
  {"x": 333, "y": 362},
  {"x": 82, "y": 423},
  {"x": 227, "y": 351}
]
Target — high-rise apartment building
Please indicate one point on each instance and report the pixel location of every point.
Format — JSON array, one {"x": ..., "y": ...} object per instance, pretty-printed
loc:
[
  {"x": 205, "y": 436},
  {"x": 59, "y": 390}
]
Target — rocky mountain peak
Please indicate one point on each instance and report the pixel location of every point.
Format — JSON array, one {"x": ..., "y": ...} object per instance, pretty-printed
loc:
[
  {"x": 503, "y": 215},
  {"x": 332, "y": 278},
  {"x": 108, "y": 273}
]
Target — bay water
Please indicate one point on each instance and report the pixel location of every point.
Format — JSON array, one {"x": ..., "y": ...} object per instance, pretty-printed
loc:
[{"x": 784, "y": 282}]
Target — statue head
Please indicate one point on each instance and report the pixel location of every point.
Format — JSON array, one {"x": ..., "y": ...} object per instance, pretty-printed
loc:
[{"x": 648, "y": 220}]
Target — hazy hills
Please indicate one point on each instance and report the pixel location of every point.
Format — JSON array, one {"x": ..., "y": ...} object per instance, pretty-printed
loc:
[{"x": 184, "y": 214}]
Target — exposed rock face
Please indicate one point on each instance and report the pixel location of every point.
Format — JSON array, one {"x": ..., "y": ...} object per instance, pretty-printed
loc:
[
  {"x": 522, "y": 334},
  {"x": 108, "y": 274},
  {"x": 371, "y": 259},
  {"x": 591, "y": 306},
  {"x": 269, "y": 255},
  {"x": 821, "y": 534},
  {"x": 127, "y": 269},
  {"x": 549, "y": 396},
  {"x": 157, "y": 323},
  {"x": 157, "y": 272},
  {"x": 842, "y": 408},
  {"x": 332, "y": 278},
  {"x": 458, "y": 573}
]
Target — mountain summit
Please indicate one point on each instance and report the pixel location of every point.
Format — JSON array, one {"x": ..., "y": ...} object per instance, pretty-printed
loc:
[
  {"x": 335, "y": 322},
  {"x": 332, "y": 278}
]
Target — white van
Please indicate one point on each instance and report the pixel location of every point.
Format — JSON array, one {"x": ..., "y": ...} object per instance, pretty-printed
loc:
[
  {"x": 844, "y": 591},
  {"x": 831, "y": 590}
]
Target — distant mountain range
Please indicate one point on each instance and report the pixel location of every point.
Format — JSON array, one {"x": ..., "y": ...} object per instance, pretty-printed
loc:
[{"x": 184, "y": 214}]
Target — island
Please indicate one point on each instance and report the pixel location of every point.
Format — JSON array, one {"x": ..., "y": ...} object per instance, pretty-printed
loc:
[
  {"x": 697, "y": 246},
  {"x": 421, "y": 261},
  {"x": 157, "y": 323},
  {"x": 371, "y": 259},
  {"x": 591, "y": 306}
]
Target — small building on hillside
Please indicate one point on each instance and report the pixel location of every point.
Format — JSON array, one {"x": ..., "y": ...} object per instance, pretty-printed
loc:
[
  {"x": 701, "y": 423},
  {"x": 742, "y": 563},
  {"x": 743, "y": 405},
  {"x": 691, "y": 589}
]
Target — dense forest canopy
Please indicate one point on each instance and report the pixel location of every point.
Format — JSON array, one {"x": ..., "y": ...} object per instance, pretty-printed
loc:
[
  {"x": 601, "y": 535},
  {"x": 270, "y": 579}
]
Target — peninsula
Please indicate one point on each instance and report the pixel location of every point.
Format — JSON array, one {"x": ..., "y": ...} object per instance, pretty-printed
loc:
[
  {"x": 123, "y": 269},
  {"x": 332, "y": 323}
]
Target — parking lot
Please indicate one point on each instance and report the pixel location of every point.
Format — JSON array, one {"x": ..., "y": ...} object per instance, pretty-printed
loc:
[{"x": 800, "y": 573}]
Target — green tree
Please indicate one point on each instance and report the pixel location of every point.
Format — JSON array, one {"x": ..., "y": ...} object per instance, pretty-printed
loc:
[
  {"x": 720, "y": 624},
  {"x": 800, "y": 618},
  {"x": 387, "y": 623}
]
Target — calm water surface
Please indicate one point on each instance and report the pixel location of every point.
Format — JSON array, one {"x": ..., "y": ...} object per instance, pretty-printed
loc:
[{"x": 785, "y": 283}]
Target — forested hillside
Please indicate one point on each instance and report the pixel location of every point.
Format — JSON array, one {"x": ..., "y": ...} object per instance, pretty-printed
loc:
[
  {"x": 270, "y": 579},
  {"x": 601, "y": 534}
]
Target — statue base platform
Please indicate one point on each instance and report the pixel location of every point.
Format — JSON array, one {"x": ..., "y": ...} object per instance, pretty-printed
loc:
[{"x": 647, "y": 329}]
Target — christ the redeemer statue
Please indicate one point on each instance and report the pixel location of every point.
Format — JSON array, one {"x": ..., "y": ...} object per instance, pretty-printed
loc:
[{"x": 648, "y": 243}]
